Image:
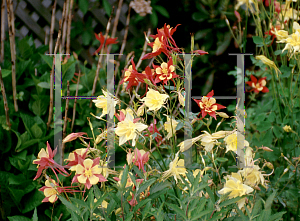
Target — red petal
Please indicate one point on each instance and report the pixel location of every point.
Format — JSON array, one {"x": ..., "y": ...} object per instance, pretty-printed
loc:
[
  {"x": 253, "y": 79},
  {"x": 210, "y": 94},
  {"x": 265, "y": 90},
  {"x": 213, "y": 114}
]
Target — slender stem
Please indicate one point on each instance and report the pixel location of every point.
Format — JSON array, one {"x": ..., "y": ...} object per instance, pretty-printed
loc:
[
  {"x": 11, "y": 28},
  {"x": 52, "y": 28},
  {"x": 101, "y": 55},
  {"x": 5, "y": 101},
  {"x": 65, "y": 120},
  {"x": 2, "y": 31},
  {"x": 69, "y": 28},
  {"x": 51, "y": 79}
]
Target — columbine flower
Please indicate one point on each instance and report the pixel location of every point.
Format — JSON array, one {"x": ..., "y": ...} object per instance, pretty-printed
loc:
[
  {"x": 107, "y": 102},
  {"x": 248, "y": 4},
  {"x": 108, "y": 41},
  {"x": 287, "y": 128},
  {"x": 165, "y": 72},
  {"x": 130, "y": 75},
  {"x": 52, "y": 189},
  {"x": 154, "y": 100},
  {"x": 139, "y": 158},
  {"x": 45, "y": 160},
  {"x": 235, "y": 186},
  {"x": 153, "y": 129},
  {"x": 268, "y": 62},
  {"x": 288, "y": 13},
  {"x": 170, "y": 127},
  {"x": 292, "y": 43},
  {"x": 73, "y": 158},
  {"x": 176, "y": 169},
  {"x": 259, "y": 85},
  {"x": 233, "y": 141},
  {"x": 127, "y": 129},
  {"x": 252, "y": 176},
  {"x": 88, "y": 172},
  {"x": 208, "y": 105}
]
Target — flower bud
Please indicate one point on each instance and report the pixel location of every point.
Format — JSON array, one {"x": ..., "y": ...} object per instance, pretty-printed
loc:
[
  {"x": 266, "y": 149},
  {"x": 222, "y": 114},
  {"x": 269, "y": 165},
  {"x": 287, "y": 128},
  {"x": 285, "y": 170}
]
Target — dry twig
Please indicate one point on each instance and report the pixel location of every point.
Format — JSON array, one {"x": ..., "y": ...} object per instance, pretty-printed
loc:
[
  {"x": 5, "y": 100},
  {"x": 11, "y": 28},
  {"x": 52, "y": 28},
  {"x": 69, "y": 28},
  {"x": 101, "y": 55},
  {"x": 64, "y": 18},
  {"x": 52, "y": 77},
  {"x": 2, "y": 31}
]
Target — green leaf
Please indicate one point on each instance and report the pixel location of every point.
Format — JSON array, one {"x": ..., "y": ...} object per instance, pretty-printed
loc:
[
  {"x": 84, "y": 6},
  {"x": 74, "y": 86},
  {"x": 154, "y": 18},
  {"x": 257, "y": 208},
  {"x": 196, "y": 216},
  {"x": 263, "y": 126},
  {"x": 25, "y": 49},
  {"x": 277, "y": 216},
  {"x": 45, "y": 85},
  {"x": 224, "y": 44},
  {"x": 69, "y": 205},
  {"x": 107, "y": 7},
  {"x": 68, "y": 71},
  {"x": 36, "y": 131},
  {"x": 230, "y": 201},
  {"x": 221, "y": 159},
  {"x": 48, "y": 59},
  {"x": 270, "y": 200},
  {"x": 177, "y": 210},
  {"x": 124, "y": 177},
  {"x": 145, "y": 185},
  {"x": 162, "y": 11},
  {"x": 35, "y": 217},
  {"x": 258, "y": 41},
  {"x": 16, "y": 179},
  {"x": 5, "y": 72},
  {"x": 86, "y": 37},
  {"x": 18, "y": 218},
  {"x": 40, "y": 107}
]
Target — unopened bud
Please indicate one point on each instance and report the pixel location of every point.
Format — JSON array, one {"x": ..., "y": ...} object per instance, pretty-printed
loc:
[
  {"x": 256, "y": 188},
  {"x": 181, "y": 99},
  {"x": 140, "y": 110},
  {"x": 269, "y": 165},
  {"x": 266, "y": 149},
  {"x": 75, "y": 55},
  {"x": 285, "y": 170},
  {"x": 287, "y": 128},
  {"x": 222, "y": 114}
]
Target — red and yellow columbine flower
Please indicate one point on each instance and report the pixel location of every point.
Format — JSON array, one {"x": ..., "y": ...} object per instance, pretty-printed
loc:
[
  {"x": 88, "y": 172},
  {"x": 208, "y": 105},
  {"x": 108, "y": 41},
  {"x": 161, "y": 42},
  {"x": 73, "y": 158},
  {"x": 153, "y": 129},
  {"x": 258, "y": 86},
  {"x": 139, "y": 158},
  {"x": 52, "y": 189},
  {"x": 45, "y": 160},
  {"x": 165, "y": 72}
]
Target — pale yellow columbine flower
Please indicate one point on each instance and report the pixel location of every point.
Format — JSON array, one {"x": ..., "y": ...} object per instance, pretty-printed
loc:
[
  {"x": 292, "y": 43},
  {"x": 157, "y": 44},
  {"x": 248, "y": 4},
  {"x": 154, "y": 100},
  {"x": 127, "y": 130},
  {"x": 252, "y": 176},
  {"x": 233, "y": 141},
  {"x": 268, "y": 62},
  {"x": 49, "y": 191},
  {"x": 280, "y": 34},
  {"x": 287, "y": 128},
  {"x": 181, "y": 98},
  {"x": 176, "y": 169},
  {"x": 209, "y": 140},
  {"x": 170, "y": 129},
  {"x": 187, "y": 144},
  {"x": 287, "y": 14},
  {"x": 107, "y": 102},
  {"x": 235, "y": 186}
]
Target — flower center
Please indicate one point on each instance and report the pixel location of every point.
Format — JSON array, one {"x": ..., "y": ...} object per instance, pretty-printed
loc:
[
  {"x": 165, "y": 70},
  {"x": 88, "y": 173}
]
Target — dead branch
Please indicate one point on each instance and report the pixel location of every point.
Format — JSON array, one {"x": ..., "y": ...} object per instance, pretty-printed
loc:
[
  {"x": 2, "y": 31},
  {"x": 5, "y": 101},
  {"x": 101, "y": 54},
  {"x": 64, "y": 18},
  {"x": 52, "y": 77},
  {"x": 11, "y": 28},
  {"x": 52, "y": 28},
  {"x": 69, "y": 28}
]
